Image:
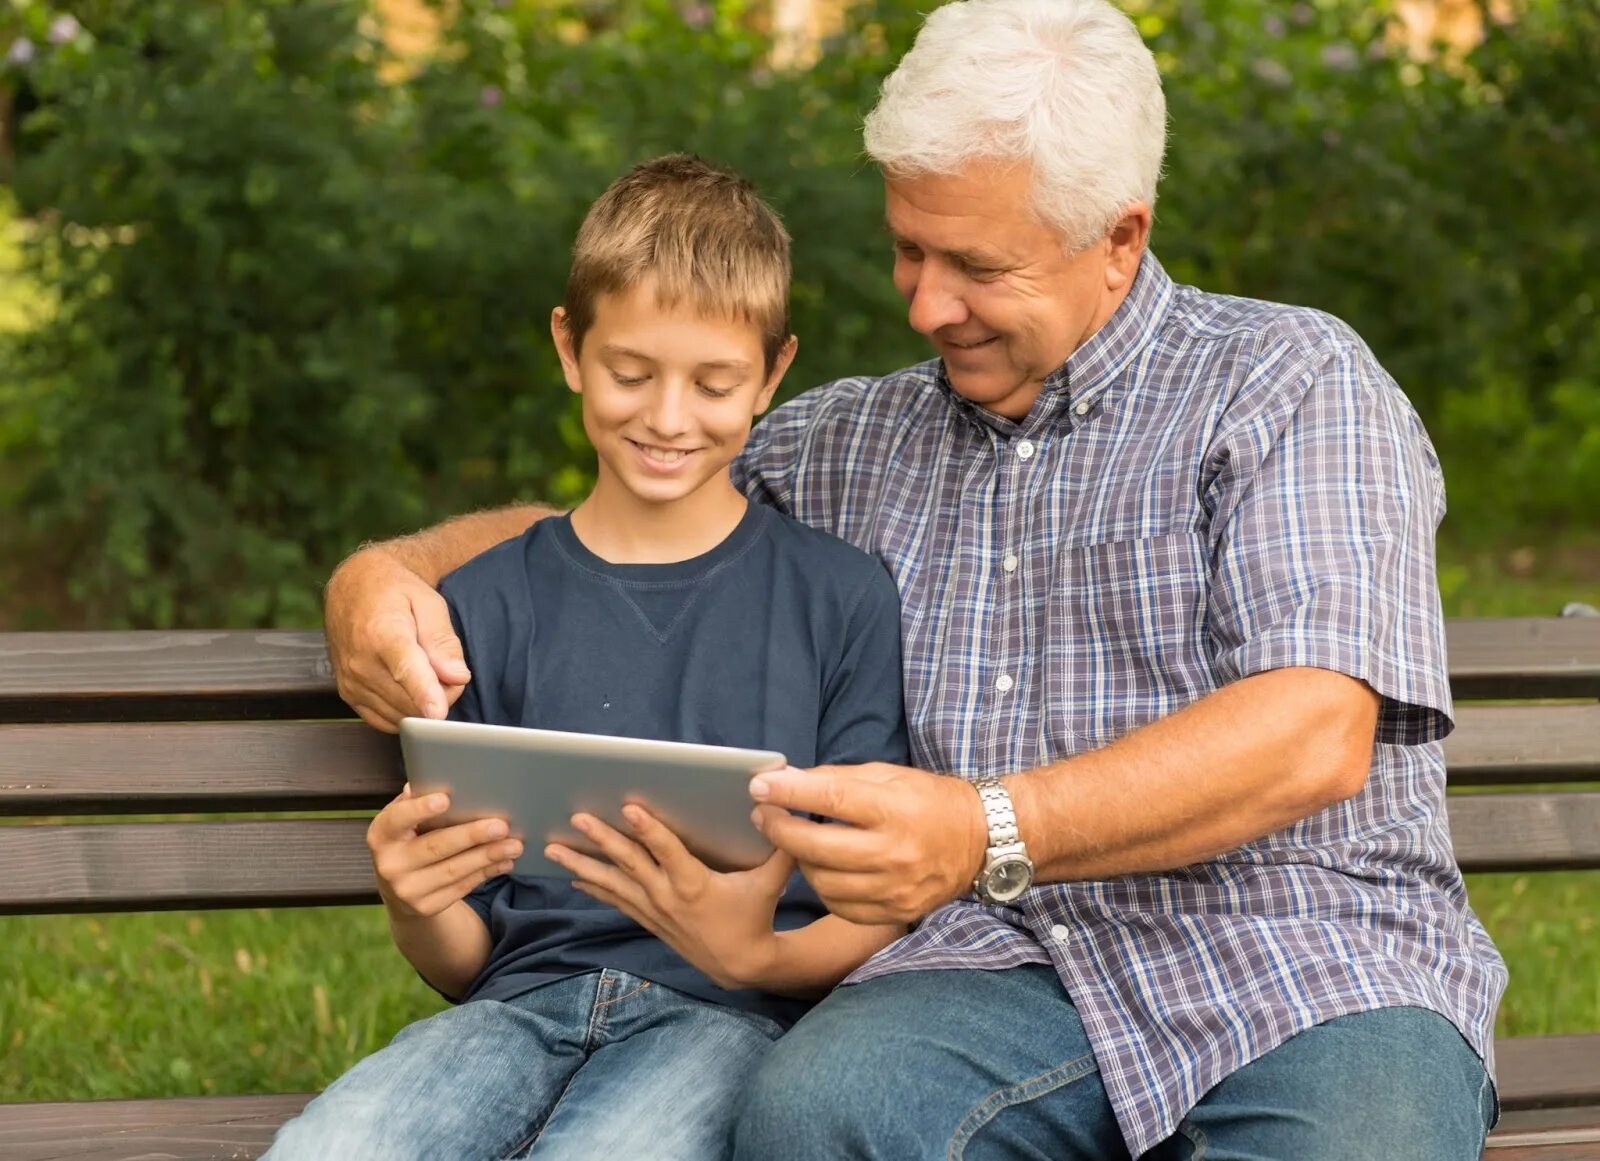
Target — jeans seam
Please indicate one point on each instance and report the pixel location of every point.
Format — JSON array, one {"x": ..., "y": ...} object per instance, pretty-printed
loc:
[
  {"x": 1003, "y": 1098},
  {"x": 643, "y": 984},
  {"x": 1197, "y": 1138}
]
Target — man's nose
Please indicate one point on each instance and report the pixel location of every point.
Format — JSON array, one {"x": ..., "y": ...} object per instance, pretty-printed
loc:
[{"x": 934, "y": 301}]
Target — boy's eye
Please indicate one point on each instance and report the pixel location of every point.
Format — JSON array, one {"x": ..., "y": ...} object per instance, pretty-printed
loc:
[
  {"x": 627, "y": 380},
  {"x": 716, "y": 392}
]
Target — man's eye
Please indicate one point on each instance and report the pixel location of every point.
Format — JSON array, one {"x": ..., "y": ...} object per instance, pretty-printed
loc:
[{"x": 910, "y": 253}]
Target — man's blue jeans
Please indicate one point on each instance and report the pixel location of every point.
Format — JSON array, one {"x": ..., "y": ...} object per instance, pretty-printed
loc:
[
  {"x": 603, "y": 1065},
  {"x": 984, "y": 1065}
]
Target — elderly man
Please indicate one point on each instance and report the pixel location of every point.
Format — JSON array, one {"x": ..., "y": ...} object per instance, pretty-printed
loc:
[{"x": 1170, "y": 621}]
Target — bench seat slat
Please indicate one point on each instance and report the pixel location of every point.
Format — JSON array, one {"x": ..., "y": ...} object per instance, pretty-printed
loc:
[
  {"x": 1495, "y": 745},
  {"x": 123, "y": 1130},
  {"x": 1534, "y": 1071},
  {"x": 1514, "y": 832},
  {"x": 157, "y": 866},
  {"x": 1545, "y": 1072},
  {"x": 173, "y": 768}
]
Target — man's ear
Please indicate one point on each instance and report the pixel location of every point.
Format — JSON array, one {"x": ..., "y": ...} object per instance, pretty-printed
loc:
[
  {"x": 780, "y": 366},
  {"x": 566, "y": 349},
  {"x": 1127, "y": 241}
]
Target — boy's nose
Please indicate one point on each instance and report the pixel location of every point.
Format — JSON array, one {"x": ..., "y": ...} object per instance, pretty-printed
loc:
[{"x": 667, "y": 415}]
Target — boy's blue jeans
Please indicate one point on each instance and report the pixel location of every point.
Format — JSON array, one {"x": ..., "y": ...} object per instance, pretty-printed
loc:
[
  {"x": 989, "y": 1065},
  {"x": 603, "y": 1065}
]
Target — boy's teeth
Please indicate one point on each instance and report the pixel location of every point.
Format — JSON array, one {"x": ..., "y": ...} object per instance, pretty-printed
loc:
[{"x": 664, "y": 455}]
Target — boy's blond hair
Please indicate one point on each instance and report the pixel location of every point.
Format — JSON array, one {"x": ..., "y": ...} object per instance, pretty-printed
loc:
[{"x": 700, "y": 232}]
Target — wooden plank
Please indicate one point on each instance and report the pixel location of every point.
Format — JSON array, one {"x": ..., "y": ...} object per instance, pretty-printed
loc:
[
  {"x": 1512, "y": 657},
  {"x": 1494, "y": 745},
  {"x": 172, "y": 768},
  {"x": 1520, "y": 832},
  {"x": 165, "y": 676},
  {"x": 186, "y": 1127},
  {"x": 154, "y": 675},
  {"x": 1543, "y": 1072},
  {"x": 159, "y": 866}
]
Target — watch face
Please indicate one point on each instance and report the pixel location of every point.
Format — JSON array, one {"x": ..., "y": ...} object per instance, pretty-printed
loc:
[{"x": 1008, "y": 879}]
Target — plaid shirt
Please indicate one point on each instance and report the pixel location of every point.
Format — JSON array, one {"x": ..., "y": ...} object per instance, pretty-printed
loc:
[{"x": 1209, "y": 488}]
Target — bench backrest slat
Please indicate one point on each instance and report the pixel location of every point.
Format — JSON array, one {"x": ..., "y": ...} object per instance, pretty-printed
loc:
[
  {"x": 1518, "y": 832},
  {"x": 105, "y": 768},
  {"x": 294, "y": 862},
  {"x": 168, "y": 676},
  {"x": 155, "y": 866},
  {"x": 185, "y": 767},
  {"x": 165, "y": 676}
]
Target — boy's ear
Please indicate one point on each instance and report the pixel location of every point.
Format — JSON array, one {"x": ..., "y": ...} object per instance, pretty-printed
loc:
[
  {"x": 780, "y": 366},
  {"x": 561, "y": 332}
]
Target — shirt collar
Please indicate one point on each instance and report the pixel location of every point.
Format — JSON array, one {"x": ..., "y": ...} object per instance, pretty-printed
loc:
[{"x": 1096, "y": 364}]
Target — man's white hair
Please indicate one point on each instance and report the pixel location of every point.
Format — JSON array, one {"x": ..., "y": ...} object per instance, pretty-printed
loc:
[{"x": 1064, "y": 86}]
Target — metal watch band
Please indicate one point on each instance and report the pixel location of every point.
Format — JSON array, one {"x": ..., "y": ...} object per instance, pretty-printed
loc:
[{"x": 998, "y": 811}]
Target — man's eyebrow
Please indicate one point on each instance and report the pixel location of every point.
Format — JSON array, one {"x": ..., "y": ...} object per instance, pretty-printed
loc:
[{"x": 973, "y": 257}]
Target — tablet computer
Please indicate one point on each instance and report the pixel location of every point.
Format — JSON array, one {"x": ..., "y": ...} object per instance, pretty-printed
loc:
[{"x": 538, "y": 779}]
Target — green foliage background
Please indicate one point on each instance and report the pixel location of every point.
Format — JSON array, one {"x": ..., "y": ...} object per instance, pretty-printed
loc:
[{"x": 294, "y": 304}]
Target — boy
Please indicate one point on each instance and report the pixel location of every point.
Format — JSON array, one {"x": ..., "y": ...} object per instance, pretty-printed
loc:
[{"x": 618, "y": 1014}]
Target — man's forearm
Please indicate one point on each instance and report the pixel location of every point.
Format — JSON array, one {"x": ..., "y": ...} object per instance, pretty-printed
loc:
[
  {"x": 435, "y": 552},
  {"x": 1248, "y": 760}
]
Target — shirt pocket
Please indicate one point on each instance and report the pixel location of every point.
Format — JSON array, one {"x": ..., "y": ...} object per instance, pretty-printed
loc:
[{"x": 1128, "y": 635}]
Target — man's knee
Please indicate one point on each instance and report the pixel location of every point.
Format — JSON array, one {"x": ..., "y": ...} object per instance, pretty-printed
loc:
[{"x": 1396, "y": 1083}]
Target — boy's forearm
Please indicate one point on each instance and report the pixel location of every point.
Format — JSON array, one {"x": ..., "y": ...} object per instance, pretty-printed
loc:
[
  {"x": 435, "y": 552},
  {"x": 810, "y": 961},
  {"x": 448, "y": 949}
]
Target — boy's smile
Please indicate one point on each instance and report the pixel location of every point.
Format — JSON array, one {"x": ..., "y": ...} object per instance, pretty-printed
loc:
[{"x": 669, "y": 396}]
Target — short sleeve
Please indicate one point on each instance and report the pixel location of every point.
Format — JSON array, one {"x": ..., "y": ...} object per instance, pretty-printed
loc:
[
  {"x": 863, "y": 705},
  {"x": 1324, "y": 515},
  {"x": 765, "y": 469}
]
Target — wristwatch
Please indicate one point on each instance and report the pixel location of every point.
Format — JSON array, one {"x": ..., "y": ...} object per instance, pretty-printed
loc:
[{"x": 1007, "y": 871}]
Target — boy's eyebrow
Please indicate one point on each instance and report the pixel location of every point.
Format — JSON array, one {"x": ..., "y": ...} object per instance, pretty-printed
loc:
[{"x": 620, "y": 352}]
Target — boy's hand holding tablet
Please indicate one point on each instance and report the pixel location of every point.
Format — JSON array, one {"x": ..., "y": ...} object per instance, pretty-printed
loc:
[{"x": 720, "y": 921}]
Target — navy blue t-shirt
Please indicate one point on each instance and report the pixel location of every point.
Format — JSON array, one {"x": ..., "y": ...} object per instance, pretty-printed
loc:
[{"x": 780, "y": 638}]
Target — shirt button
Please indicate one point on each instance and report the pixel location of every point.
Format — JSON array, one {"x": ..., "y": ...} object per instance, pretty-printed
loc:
[
  {"x": 1060, "y": 933},
  {"x": 1081, "y": 409},
  {"x": 1009, "y": 562},
  {"x": 1025, "y": 450},
  {"x": 1004, "y": 683}
]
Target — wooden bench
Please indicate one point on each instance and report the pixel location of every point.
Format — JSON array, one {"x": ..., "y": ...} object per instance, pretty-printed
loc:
[{"x": 246, "y": 723}]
